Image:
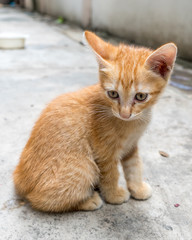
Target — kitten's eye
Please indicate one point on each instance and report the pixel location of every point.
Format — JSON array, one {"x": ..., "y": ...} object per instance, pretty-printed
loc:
[
  {"x": 113, "y": 94},
  {"x": 141, "y": 96}
]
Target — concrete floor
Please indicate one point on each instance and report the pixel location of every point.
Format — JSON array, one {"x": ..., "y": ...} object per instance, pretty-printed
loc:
[{"x": 55, "y": 63}]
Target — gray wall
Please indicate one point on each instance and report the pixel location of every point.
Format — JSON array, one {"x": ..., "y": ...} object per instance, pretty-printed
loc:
[
  {"x": 70, "y": 9},
  {"x": 145, "y": 22}
]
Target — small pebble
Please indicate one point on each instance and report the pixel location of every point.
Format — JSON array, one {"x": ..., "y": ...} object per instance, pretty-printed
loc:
[
  {"x": 164, "y": 154},
  {"x": 21, "y": 203}
]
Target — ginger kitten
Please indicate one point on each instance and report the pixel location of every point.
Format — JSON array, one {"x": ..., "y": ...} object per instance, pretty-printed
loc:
[{"x": 81, "y": 137}]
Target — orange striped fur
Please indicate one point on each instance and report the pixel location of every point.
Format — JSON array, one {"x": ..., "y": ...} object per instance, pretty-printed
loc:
[{"x": 80, "y": 137}]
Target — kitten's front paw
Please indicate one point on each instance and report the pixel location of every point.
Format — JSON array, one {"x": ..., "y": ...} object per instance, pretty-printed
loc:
[
  {"x": 140, "y": 192},
  {"x": 117, "y": 196}
]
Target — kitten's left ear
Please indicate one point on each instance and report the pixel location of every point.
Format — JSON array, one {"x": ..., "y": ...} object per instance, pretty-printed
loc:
[
  {"x": 104, "y": 51},
  {"x": 162, "y": 60}
]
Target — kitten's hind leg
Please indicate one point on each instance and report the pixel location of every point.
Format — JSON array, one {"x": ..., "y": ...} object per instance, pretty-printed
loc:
[
  {"x": 68, "y": 187},
  {"x": 93, "y": 203},
  {"x": 132, "y": 167}
]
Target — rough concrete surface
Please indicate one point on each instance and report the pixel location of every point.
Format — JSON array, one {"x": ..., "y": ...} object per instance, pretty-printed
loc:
[{"x": 51, "y": 64}]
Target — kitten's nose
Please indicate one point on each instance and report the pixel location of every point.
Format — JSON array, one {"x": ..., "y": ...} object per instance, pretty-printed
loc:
[{"x": 125, "y": 112}]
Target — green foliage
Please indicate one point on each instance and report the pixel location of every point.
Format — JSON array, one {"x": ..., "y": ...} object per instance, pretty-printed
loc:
[{"x": 60, "y": 20}]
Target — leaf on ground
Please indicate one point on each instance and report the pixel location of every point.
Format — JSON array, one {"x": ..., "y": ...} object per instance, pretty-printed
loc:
[{"x": 164, "y": 154}]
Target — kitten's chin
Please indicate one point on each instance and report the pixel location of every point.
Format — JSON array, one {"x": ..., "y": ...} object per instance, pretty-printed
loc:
[
  {"x": 125, "y": 119},
  {"x": 131, "y": 118}
]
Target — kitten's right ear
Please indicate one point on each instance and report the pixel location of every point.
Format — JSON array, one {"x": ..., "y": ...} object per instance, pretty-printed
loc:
[
  {"x": 162, "y": 60},
  {"x": 105, "y": 52}
]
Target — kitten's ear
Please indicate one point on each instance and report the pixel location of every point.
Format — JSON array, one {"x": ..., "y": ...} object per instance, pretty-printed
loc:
[
  {"x": 162, "y": 60},
  {"x": 105, "y": 52}
]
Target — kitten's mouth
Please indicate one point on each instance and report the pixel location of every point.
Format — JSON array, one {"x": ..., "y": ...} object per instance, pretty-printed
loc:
[
  {"x": 125, "y": 119},
  {"x": 122, "y": 118}
]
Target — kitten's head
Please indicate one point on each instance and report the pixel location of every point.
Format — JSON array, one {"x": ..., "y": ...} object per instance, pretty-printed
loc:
[{"x": 132, "y": 78}]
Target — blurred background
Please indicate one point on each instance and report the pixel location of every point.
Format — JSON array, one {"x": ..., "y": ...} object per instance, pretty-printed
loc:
[{"x": 145, "y": 22}]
